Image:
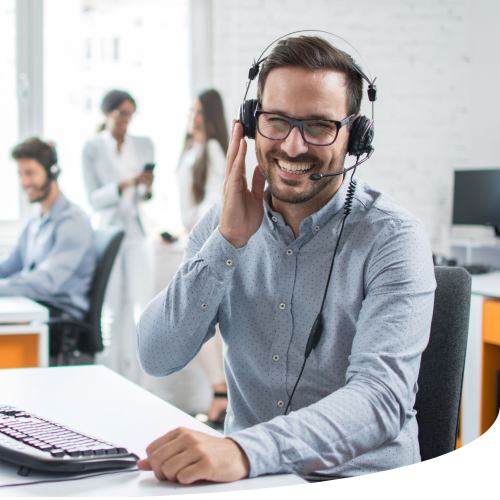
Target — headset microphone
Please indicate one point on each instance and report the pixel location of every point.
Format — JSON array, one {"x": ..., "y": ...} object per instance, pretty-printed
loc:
[{"x": 317, "y": 177}]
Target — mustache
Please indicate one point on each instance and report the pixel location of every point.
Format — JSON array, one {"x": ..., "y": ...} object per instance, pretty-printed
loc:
[{"x": 302, "y": 158}]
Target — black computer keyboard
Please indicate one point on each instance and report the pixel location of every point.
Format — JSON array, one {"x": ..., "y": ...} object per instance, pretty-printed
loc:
[{"x": 34, "y": 442}]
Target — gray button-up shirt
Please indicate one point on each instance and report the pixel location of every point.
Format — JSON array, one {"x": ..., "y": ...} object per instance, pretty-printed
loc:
[
  {"x": 54, "y": 259},
  {"x": 352, "y": 412}
]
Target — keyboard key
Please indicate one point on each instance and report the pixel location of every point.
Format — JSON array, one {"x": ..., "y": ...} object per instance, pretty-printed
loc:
[
  {"x": 122, "y": 450},
  {"x": 57, "y": 453},
  {"x": 44, "y": 447},
  {"x": 73, "y": 453}
]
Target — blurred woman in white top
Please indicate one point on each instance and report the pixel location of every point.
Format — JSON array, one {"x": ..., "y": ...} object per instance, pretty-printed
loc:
[
  {"x": 117, "y": 185},
  {"x": 201, "y": 173}
]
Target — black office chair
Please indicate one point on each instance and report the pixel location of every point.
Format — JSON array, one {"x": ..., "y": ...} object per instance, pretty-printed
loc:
[
  {"x": 86, "y": 336},
  {"x": 441, "y": 371}
]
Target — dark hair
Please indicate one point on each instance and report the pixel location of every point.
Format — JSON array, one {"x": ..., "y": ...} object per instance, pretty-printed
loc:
[
  {"x": 314, "y": 53},
  {"x": 35, "y": 149},
  {"x": 215, "y": 128},
  {"x": 112, "y": 101}
]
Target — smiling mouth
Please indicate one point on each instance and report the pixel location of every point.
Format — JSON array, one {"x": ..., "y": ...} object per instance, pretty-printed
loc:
[{"x": 294, "y": 168}]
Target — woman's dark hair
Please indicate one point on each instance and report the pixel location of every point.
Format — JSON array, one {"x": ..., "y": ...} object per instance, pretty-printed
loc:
[
  {"x": 215, "y": 128},
  {"x": 34, "y": 149},
  {"x": 314, "y": 53},
  {"x": 112, "y": 101}
]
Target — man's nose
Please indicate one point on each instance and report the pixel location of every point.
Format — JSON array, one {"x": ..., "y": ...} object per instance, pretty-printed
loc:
[{"x": 294, "y": 144}]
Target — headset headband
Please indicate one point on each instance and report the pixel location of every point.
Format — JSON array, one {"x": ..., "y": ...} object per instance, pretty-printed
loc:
[{"x": 372, "y": 89}]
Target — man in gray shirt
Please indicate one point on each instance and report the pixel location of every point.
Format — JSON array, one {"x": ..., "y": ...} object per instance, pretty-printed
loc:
[
  {"x": 258, "y": 264},
  {"x": 54, "y": 259}
]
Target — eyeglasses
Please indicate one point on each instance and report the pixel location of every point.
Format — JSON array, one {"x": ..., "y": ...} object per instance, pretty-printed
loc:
[
  {"x": 124, "y": 115},
  {"x": 277, "y": 127}
]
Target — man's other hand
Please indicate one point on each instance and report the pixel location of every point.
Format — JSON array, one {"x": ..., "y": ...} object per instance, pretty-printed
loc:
[{"x": 186, "y": 456}]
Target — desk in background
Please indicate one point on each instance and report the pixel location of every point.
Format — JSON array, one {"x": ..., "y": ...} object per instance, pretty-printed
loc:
[
  {"x": 479, "y": 402},
  {"x": 103, "y": 404},
  {"x": 24, "y": 337}
]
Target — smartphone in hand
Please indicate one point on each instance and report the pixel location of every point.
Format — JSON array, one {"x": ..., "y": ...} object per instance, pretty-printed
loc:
[{"x": 149, "y": 167}]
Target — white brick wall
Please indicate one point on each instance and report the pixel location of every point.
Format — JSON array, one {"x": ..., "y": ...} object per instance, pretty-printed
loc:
[{"x": 424, "y": 53}]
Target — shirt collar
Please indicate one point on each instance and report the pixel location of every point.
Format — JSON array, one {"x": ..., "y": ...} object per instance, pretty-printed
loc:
[
  {"x": 317, "y": 219},
  {"x": 56, "y": 209}
]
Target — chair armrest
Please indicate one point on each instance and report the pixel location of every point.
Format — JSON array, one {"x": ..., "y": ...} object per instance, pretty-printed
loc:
[{"x": 71, "y": 322}]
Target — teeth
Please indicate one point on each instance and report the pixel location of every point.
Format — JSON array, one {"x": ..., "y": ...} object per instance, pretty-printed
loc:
[{"x": 294, "y": 167}]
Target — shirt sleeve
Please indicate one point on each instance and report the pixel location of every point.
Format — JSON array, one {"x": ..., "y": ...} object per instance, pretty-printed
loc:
[
  {"x": 12, "y": 263},
  {"x": 176, "y": 323},
  {"x": 392, "y": 331},
  {"x": 72, "y": 242},
  {"x": 100, "y": 196}
]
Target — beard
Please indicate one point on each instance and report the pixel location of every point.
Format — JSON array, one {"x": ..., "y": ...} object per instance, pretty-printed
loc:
[
  {"x": 267, "y": 166},
  {"x": 42, "y": 192}
]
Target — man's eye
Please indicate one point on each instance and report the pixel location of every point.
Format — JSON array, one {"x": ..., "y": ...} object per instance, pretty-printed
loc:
[
  {"x": 324, "y": 125},
  {"x": 278, "y": 121}
]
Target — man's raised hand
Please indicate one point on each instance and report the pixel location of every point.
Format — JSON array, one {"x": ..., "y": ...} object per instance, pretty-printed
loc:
[{"x": 242, "y": 209}]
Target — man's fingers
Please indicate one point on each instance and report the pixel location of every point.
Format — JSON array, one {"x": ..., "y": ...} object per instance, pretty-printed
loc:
[
  {"x": 238, "y": 170},
  {"x": 234, "y": 147},
  {"x": 258, "y": 184},
  {"x": 174, "y": 465},
  {"x": 143, "y": 464},
  {"x": 195, "y": 472},
  {"x": 169, "y": 436}
]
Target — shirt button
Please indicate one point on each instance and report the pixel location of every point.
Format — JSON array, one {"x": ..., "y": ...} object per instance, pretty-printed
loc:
[
  {"x": 229, "y": 262},
  {"x": 281, "y": 404},
  {"x": 204, "y": 305},
  {"x": 274, "y": 218},
  {"x": 316, "y": 228},
  {"x": 276, "y": 357},
  {"x": 289, "y": 251},
  {"x": 282, "y": 306}
]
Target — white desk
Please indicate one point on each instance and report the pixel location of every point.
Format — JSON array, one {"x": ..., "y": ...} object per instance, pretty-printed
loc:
[
  {"x": 22, "y": 316},
  {"x": 103, "y": 404},
  {"x": 483, "y": 286}
]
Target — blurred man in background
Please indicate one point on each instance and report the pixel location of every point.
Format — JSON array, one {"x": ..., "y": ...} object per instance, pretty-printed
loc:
[{"x": 54, "y": 259}]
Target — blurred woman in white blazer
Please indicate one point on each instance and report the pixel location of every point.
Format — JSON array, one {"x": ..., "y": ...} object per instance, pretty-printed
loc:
[
  {"x": 117, "y": 186},
  {"x": 201, "y": 387}
]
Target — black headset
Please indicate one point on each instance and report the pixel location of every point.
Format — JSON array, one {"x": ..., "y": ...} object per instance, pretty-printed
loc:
[
  {"x": 54, "y": 170},
  {"x": 361, "y": 133}
]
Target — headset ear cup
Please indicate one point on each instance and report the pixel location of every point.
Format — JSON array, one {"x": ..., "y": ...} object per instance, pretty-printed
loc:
[
  {"x": 54, "y": 172},
  {"x": 246, "y": 117},
  {"x": 360, "y": 137}
]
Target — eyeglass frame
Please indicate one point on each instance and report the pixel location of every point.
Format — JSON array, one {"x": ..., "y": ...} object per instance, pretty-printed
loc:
[
  {"x": 300, "y": 124},
  {"x": 122, "y": 115}
]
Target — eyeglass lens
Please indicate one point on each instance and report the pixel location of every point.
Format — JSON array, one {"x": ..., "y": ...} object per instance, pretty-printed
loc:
[{"x": 317, "y": 132}]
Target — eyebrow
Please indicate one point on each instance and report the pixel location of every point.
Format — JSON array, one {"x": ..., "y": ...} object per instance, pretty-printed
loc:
[{"x": 313, "y": 117}]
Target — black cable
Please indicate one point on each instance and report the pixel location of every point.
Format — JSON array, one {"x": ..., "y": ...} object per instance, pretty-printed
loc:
[
  {"x": 317, "y": 328},
  {"x": 68, "y": 479}
]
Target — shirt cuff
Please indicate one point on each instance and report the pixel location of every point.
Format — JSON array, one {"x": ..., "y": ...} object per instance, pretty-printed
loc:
[
  {"x": 261, "y": 450},
  {"x": 219, "y": 254}
]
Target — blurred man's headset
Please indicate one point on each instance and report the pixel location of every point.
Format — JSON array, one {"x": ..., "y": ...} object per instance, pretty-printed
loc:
[
  {"x": 361, "y": 133},
  {"x": 54, "y": 170}
]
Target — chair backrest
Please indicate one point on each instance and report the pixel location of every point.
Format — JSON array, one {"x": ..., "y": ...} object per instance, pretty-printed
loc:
[
  {"x": 441, "y": 371},
  {"x": 107, "y": 243}
]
